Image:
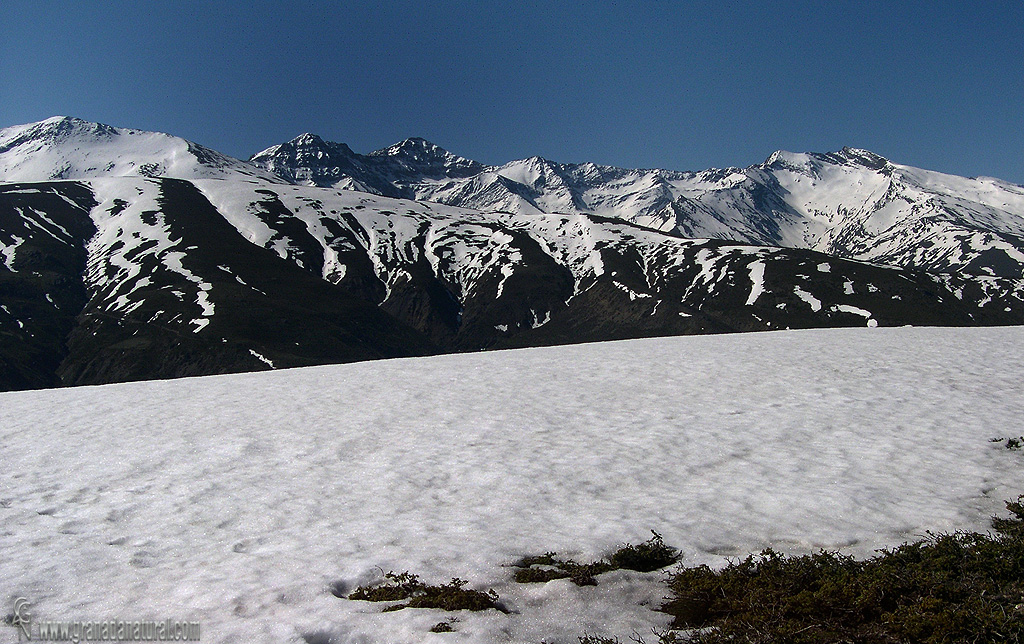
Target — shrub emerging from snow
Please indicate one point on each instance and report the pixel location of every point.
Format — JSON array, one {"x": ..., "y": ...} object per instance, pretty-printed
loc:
[
  {"x": 446, "y": 626},
  {"x": 407, "y": 586},
  {"x": 648, "y": 556},
  {"x": 546, "y": 567},
  {"x": 396, "y": 586},
  {"x": 653, "y": 554},
  {"x": 1011, "y": 443},
  {"x": 596, "y": 639},
  {"x": 962, "y": 587}
]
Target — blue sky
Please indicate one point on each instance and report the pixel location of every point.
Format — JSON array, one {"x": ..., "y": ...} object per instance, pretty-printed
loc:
[{"x": 681, "y": 85}]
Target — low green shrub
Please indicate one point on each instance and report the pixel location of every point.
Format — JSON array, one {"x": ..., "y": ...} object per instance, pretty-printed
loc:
[
  {"x": 650, "y": 555},
  {"x": 396, "y": 586},
  {"x": 447, "y": 626},
  {"x": 661, "y": 637},
  {"x": 407, "y": 586},
  {"x": 544, "y": 568},
  {"x": 596, "y": 639},
  {"x": 453, "y": 596},
  {"x": 961, "y": 587},
  {"x": 1013, "y": 444}
]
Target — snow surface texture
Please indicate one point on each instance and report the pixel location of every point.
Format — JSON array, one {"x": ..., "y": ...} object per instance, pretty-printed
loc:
[{"x": 240, "y": 500}]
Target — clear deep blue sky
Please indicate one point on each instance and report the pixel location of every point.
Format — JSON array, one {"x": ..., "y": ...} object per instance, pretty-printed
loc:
[{"x": 683, "y": 85}]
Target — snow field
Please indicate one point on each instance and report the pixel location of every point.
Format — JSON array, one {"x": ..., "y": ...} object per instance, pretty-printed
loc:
[{"x": 238, "y": 501}]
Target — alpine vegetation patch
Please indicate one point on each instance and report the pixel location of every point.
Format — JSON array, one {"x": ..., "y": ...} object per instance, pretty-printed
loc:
[
  {"x": 648, "y": 556},
  {"x": 407, "y": 586},
  {"x": 959, "y": 587},
  {"x": 1013, "y": 444}
]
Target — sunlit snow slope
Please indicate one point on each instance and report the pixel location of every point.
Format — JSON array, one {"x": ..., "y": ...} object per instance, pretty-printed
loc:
[
  {"x": 64, "y": 147},
  {"x": 241, "y": 501}
]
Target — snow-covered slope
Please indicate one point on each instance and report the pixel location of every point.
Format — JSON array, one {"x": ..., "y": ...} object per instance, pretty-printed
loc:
[
  {"x": 243, "y": 501},
  {"x": 857, "y": 204},
  {"x": 852, "y": 203},
  {"x": 62, "y": 147}
]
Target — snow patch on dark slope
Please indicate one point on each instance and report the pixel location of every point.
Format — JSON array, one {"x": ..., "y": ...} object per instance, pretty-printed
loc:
[
  {"x": 44, "y": 228},
  {"x": 170, "y": 277}
]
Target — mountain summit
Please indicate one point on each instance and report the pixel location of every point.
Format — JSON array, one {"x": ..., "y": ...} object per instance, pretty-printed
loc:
[
  {"x": 63, "y": 147},
  {"x": 308, "y": 159},
  {"x": 417, "y": 158}
]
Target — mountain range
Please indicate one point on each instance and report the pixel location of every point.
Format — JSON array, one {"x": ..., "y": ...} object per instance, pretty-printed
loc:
[
  {"x": 130, "y": 255},
  {"x": 851, "y": 203}
]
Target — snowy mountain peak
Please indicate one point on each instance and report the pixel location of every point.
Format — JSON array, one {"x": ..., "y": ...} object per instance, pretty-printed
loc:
[
  {"x": 307, "y": 144},
  {"x": 60, "y": 127},
  {"x": 419, "y": 150},
  {"x": 64, "y": 147},
  {"x": 418, "y": 156},
  {"x": 310, "y": 160},
  {"x": 856, "y": 156},
  {"x": 51, "y": 130},
  {"x": 535, "y": 172},
  {"x": 413, "y": 146},
  {"x": 783, "y": 160},
  {"x": 307, "y": 138},
  {"x": 779, "y": 156}
]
